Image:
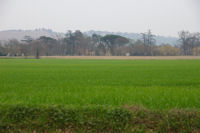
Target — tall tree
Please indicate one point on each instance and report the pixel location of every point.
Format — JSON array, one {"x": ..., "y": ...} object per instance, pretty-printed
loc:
[{"x": 114, "y": 41}]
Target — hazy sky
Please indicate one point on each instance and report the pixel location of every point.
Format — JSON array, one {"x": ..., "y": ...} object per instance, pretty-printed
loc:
[{"x": 164, "y": 17}]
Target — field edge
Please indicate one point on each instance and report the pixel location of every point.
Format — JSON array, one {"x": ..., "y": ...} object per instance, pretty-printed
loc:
[
  {"x": 109, "y": 57},
  {"x": 21, "y": 118}
]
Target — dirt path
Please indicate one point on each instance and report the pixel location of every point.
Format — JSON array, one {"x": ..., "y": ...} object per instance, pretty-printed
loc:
[{"x": 126, "y": 57}]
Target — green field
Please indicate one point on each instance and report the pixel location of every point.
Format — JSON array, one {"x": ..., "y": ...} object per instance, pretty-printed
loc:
[
  {"x": 154, "y": 84},
  {"x": 116, "y": 96}
]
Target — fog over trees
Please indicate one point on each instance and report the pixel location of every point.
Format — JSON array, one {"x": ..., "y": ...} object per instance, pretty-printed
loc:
[{"x": 79, "y": 44}]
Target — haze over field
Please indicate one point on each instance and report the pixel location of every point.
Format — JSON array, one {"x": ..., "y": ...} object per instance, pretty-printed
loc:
[{"x": 163, "y": 17}]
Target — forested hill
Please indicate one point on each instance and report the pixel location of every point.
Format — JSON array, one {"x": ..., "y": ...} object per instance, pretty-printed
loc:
[{"x": 19, "y": 35}]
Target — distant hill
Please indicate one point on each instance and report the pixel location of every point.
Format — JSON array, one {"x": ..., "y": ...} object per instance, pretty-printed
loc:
[
  {"x": 136, "y": 36},
  {"x": 19, "y": 35}
]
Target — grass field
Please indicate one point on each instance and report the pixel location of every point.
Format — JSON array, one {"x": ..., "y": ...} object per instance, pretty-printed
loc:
[
  {"x": 91, "y": 95},
  {"x": 157, "y": 84}
]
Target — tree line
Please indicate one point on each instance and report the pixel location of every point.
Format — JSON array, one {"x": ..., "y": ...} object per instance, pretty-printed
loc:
[{"x": 78, "y": 44}]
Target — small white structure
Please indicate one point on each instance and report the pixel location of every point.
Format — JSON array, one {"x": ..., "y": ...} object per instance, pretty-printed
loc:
[{"x": 127, "y": 54}]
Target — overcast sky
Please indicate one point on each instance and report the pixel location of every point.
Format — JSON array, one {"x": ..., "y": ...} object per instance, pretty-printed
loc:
[{"x": 163, "y": 17}]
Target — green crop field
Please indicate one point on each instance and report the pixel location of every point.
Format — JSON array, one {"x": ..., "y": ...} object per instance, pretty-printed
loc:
[
  {"x": 153, "y": 84},
  {"x": 76, "y": 83}
]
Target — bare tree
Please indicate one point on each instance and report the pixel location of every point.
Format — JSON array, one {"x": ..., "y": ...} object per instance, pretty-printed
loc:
[
  {"x": 189, "y": 41},
  {"x": 148, "y": 41}
]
